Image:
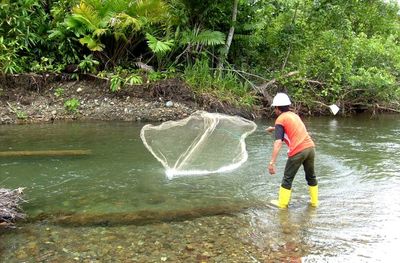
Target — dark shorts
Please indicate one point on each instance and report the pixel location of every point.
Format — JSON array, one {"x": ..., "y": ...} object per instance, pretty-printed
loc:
[{"x": 305, "y": 158}]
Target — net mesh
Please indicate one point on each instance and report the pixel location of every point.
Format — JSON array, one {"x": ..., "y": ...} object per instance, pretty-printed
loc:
[{"x": 203, "y": 143}]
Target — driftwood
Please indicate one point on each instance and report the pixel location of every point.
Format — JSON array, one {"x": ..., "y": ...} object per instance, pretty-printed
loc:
[
  {"x": 46, "y": 153},
  {"x": 10, "y": 210},
  {"x": 142, "y": 217},
  {"x": 386, "y": 108},
  {"x": 262, "y": 88}
]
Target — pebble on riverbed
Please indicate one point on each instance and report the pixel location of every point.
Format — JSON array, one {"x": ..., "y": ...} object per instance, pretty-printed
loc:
[{"x": 10, "y": 211}]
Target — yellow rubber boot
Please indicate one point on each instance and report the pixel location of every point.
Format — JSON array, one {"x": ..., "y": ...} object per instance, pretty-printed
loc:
[
  {"x": 283, "y": 199},
  {"x": 313, "y": 195}
]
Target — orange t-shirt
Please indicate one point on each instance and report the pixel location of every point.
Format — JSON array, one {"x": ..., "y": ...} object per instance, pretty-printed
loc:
[{"x": 296, "y": 136}]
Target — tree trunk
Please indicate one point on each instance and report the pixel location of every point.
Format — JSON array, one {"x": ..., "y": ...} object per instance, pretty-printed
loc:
[{"x": 228, "y": 43}]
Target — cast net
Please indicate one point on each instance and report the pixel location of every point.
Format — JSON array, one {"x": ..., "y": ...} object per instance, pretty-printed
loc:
[{"x": 203, "y": 143}]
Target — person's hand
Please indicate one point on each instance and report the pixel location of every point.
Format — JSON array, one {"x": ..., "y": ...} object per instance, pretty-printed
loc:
[
  {"x": 270, "y": 129},
  {"x": 271, "y": 169}
]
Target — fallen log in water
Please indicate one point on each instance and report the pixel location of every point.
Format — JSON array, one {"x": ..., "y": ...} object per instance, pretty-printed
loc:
[
  {"x": 142, "y": 217},
  {"x": 45, "y": 153},
  {"x": 10, "y": 210}
]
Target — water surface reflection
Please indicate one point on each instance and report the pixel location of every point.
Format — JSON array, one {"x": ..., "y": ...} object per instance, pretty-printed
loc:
[{"x": 357, "y": 164}]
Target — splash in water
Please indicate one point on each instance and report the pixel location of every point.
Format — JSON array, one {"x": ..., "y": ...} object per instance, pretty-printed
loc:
[{"x": 201, "y": 144}]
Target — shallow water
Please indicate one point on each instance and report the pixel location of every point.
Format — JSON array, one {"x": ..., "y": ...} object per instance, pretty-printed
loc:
[{"x": 357, "y": 163}]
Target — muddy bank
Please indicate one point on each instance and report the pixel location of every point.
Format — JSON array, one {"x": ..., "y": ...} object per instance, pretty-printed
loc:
[{"x": 32, "y": 98}]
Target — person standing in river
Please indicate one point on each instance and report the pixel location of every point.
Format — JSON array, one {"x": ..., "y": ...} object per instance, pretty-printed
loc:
[{"x": 289, "y": 128}]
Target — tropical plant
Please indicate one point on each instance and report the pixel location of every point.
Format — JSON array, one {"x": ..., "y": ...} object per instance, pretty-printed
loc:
[
  {"x": 158, "y": 47},
  {"x": 225, "y": 85},
  {"x": 21, "y": 115},
  {"x": 72, "y": 105},
  {"x": 59, "y": 92},
  {"x": 88, "y": 64},
  {"x": 112, "y": 27},
  {"x": 116, "y": 83},
  {"x": 197, "y": 40},
  {"x": 134, "y": 79}
]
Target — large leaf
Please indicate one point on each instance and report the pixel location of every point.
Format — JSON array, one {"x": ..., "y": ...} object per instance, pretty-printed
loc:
[
  {"x": 91, "y": 43},
  {"x": 124, "y": 22},
  {"x": 157, "y": 46},
  {"x": 211, "y": 38},
  {"x": 206, "y": 37}
]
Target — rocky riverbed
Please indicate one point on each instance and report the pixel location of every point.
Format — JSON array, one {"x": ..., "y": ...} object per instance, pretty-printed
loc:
[{"x": 205, "y": 239}]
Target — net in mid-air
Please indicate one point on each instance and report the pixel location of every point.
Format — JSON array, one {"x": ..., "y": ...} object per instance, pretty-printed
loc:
[{"x": 200, "y": 144}]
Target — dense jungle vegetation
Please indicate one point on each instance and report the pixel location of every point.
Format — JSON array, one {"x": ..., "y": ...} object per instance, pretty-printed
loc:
[{"x": 320, "y": 51}]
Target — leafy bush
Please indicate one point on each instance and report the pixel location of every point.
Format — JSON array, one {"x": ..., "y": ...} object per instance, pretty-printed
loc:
[
  {"x": 59, "y": 92},
  {"x": 72, "y": 105},
  {"x": 88, "y": 64},
  {"x": 226, "y": 86}
]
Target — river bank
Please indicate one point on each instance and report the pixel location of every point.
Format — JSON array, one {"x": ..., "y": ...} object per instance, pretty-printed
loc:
[
  {"x": 34, "y": 98},
  {"x": 31, "y": 98}
]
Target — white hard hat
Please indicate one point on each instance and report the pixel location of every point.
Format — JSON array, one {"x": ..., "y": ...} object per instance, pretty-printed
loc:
[{"x": 281, "y": 99}]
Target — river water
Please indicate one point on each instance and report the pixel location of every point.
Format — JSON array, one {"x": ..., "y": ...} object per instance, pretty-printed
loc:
[{"x": 117, "y": 205}]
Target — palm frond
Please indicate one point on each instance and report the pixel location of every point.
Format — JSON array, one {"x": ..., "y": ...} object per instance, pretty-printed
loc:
[
  {"x": 205, "y": 37},
  {"x": 119, "y": 35},
  {"x": 80, "y": 23},
  {"x": 86, "y": 14},
  {"x": 157, "y": 46},
  {"x": 100, "y": 32},
  {"x": 153, "y": 10},
  {"x": 211, "y": 38},
  {"x": 91, "y": 43},
  {"x": 124, "y": 22}
]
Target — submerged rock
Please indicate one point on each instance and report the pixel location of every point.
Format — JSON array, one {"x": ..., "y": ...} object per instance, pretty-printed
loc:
[{"x": 10, "y": 210}]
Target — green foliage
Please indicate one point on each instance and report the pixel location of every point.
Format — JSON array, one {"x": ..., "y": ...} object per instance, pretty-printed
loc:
[
  {"x": 133, "y": 79},
  {"x": 45, "y": 65},
  {"x": 156, "y": 75},
  {"x": 199, "y": 43},
  {"x": 116, "y": 83},
  {"x": 340, "y": 49},
  {"x": 122, "y": 77},
  {"x": 159, "y": 47},
  {"x": 206, "y": 37},
  {"x": 59, "y": 92},
  {"x": 225, "y": 86},
  {"x": 20, "y": 29},
  {"x": 21, "y": 115},
  {"x": 8, "y": 58},
  {"x": 27, "y": 42},
  {"x": 88, "y": 64},
  {"x": 113, "y": 26},
  {"x": 72, "y": 105}
]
